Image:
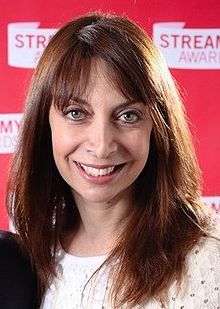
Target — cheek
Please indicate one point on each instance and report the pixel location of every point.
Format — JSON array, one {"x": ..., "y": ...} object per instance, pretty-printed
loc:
[
  {"x": 139, "y": 145},
  {"x": 63, "y": 142}
]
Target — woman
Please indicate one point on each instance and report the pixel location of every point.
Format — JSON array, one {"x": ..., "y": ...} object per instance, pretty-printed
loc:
[{"x": 104, "y": 188}]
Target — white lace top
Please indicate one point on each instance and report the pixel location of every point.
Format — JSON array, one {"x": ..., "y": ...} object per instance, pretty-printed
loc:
[{"x": 201, "y": 288}]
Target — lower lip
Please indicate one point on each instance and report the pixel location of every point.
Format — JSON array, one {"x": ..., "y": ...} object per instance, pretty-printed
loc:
[{"x": 101, "y": 180}]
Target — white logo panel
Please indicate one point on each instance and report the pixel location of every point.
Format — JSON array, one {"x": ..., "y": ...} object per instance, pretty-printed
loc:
[
  {"x": 26, "y": 43},
  {"x": 9, "y": 127},
  {"x": 188, "y": 48}
]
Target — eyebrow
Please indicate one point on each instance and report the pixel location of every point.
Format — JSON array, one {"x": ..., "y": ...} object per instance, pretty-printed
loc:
[{"x": 120, "y": 106}]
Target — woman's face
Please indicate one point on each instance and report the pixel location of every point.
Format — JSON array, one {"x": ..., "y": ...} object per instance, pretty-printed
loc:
[{"x": 100, "y": 129}]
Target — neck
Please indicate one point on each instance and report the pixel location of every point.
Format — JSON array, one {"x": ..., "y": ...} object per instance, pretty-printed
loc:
[{"x": 100, "y": 225}]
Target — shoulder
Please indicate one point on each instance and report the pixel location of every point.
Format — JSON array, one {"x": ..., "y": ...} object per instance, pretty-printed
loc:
[
  {"x": 201, "y": 287},
  {"x": 11, "y": 253},
  {"x": 17, "y": 278},
  {"x": 207, "y": 252},
  {"x": 205, "y": 258}
]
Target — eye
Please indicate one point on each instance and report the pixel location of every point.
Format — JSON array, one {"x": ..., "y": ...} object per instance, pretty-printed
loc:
[
  {"x": 130, "y": 117},
  {"x": 75, "y": 114}
]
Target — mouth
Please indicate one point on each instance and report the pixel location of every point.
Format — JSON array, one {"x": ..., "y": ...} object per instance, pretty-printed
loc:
[{"x": 100, "y": 172}]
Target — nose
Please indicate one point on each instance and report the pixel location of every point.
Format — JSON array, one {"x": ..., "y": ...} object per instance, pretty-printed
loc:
[{"x": 101, "y": 139}]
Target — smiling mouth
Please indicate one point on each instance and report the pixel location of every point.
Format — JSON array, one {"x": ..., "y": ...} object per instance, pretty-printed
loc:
[{"x": 95, "y": 172}]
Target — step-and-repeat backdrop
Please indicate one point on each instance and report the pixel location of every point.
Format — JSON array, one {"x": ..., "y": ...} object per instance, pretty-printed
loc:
[{"x": 187, "y": 33}]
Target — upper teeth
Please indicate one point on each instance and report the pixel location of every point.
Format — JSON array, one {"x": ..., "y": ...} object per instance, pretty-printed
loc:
[{"x": 97, "y": 172}]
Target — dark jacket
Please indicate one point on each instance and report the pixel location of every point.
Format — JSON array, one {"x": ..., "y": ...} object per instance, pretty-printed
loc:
[{"x": 18, "y": 283}]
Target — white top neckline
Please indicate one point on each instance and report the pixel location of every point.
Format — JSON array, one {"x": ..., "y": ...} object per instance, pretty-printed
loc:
[{"x": 81, "y": 259}]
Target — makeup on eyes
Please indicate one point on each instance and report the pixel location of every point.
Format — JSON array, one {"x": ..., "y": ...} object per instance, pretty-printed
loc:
[
  {"x": 136, "y": 113},
  {"x": 84, "y": 109}
]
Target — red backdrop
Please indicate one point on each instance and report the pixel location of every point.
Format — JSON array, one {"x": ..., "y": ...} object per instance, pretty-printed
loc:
[{"x": 192, "y": 52}]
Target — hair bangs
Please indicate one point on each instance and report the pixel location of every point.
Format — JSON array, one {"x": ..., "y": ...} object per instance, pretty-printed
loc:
[{"x": 72, "y": 77}]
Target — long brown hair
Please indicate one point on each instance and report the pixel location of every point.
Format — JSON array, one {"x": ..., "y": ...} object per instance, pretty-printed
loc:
[{"x": 168, "y": 218}]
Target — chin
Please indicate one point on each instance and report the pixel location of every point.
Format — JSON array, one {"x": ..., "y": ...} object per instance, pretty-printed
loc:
[{"x": 98, "y": 199}]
